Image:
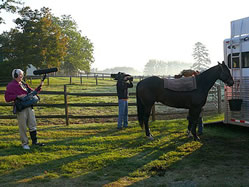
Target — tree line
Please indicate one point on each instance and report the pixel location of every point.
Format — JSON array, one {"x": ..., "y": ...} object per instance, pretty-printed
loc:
[
  {"x": 43, "y": 40},
  {"x": 159, "y": 67},
  {"x": 170, "y": 68}
]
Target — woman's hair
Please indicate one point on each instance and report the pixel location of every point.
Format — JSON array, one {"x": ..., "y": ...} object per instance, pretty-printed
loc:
[{"x": 16, "y": 73}]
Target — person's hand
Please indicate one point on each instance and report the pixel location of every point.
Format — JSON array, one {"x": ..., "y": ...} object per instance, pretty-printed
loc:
[{"x": 21, "y": 96}]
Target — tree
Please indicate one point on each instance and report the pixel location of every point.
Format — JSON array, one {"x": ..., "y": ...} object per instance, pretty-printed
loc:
[
  {"x": 201, "y": 57},
  {"x": 8, "y": 6},
  {"x": 175, "y": 67},
  {"x": 36, "y": 40},
  {"x": 128, "y": 70},
  {"x": 79, "y": 53},
  {"x": 155, "y": 67},
  {"x": 5, "y": 53}
]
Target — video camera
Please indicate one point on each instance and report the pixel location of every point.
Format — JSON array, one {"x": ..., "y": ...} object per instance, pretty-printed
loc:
[{"x": 122, "y": 76}]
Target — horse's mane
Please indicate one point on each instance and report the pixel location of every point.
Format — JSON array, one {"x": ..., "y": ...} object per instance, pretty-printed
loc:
[{"x": 208, "y": 70}]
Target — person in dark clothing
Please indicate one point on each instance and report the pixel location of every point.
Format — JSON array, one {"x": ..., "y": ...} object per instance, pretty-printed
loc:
[{"x": 123, "y": 84}]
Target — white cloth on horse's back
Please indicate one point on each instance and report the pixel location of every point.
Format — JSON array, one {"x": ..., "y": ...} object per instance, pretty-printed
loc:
[{"x": 182, "y": 84}]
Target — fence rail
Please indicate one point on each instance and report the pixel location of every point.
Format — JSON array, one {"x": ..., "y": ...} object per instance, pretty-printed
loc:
[{"x": 214, "y": 94}]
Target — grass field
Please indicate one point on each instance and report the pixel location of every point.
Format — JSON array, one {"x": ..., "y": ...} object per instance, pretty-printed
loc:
[
  {"x": 97, "y": 154},
  {"x": 100, "y": 155}
]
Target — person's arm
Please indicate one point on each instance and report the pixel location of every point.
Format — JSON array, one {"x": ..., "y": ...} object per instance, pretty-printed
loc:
[
  {"x": 39, "y": 88},
  {"x": 130, "y": 84}
]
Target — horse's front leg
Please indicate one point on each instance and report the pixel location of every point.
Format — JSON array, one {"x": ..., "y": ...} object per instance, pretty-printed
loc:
[
  {"x": 193, "y": 118},
  {"x": 193, "y": 130}
]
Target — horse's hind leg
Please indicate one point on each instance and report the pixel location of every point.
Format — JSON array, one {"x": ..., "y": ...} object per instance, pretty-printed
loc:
[
  {"x": 189, "y": 126},
  {"x": 146, "y": 121}
]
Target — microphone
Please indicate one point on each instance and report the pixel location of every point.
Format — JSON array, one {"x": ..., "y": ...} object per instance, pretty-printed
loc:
[{"x": 44, "y": 71}]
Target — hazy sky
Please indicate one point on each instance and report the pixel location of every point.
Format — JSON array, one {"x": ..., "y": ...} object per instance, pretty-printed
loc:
[{"x": 131, "y": 32}]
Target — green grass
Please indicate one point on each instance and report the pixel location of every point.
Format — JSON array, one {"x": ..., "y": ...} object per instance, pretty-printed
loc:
[
  {"x": 100, "y": 155},
  {"x": 97, "y": 154}
]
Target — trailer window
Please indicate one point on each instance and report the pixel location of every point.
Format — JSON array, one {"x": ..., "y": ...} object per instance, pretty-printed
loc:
[
  {"x": 235, "y": 60},
  {"x": 245, "y": 60}
]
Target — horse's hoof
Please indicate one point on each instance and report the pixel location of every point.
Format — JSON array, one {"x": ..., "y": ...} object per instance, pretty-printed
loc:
[{"x": 150, "y": 137}]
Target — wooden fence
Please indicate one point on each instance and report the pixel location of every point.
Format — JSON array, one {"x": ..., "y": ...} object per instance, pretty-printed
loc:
[
  {"x": 97, "y": 77},
  {"x": 215, "y": 92}
]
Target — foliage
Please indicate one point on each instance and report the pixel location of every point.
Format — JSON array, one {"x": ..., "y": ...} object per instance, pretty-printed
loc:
[
  {"x": 79, "y": 54},
  {"x": 8, "y": 6},
  {"x": 128, "y": 70},
  {"x": 201, "y": 57},
  {"x": 155, "y": 67},
  {"x": 36, "y": 40}
]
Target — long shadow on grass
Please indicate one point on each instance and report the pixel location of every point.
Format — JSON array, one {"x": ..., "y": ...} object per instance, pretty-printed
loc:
[
  {"x": 122, "y": 168},
  {"x": 147, "y": 155},
  {"x": 222, "y": 160},
  {"x": 53, "y": 165},
  {"x": 17, "y": 150}
]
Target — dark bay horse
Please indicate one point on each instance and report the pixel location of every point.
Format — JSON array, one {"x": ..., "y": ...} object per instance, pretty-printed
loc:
[{"x": 151, "y": 90}]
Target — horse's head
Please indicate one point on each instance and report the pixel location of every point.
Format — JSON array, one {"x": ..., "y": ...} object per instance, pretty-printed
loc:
[{"x": 225, "y": 74}]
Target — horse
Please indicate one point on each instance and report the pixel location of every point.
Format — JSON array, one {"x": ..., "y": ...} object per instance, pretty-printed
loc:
[{"x": 151, "y": 90}]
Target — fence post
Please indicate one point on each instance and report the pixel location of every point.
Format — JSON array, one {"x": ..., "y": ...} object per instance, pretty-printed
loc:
[
  {"x": 66, "y": 106},
  {"x": 219, "y": 99},
  {"x": 70, "y": 79},
  {"x": 48, "y": 80},
  {"x": 80, "y": 79},
  {"x": 30, "y": 79},
  {"x": 96, "y": 77},
  {"x": 153, "y": 113}
]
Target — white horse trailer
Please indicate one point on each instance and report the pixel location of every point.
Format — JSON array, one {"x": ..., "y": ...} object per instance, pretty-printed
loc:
[{"x": 236, "y": 56}]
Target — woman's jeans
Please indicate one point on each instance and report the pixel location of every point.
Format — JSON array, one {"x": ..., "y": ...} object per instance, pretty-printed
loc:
[{"x": 122, "y": 113}]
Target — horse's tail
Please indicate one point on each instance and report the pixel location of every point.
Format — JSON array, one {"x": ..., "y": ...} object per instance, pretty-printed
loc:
[{"x": 140, "y": 109}]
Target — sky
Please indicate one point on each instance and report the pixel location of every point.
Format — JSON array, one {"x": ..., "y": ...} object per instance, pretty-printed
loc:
[{"x": 131, "y": 32}]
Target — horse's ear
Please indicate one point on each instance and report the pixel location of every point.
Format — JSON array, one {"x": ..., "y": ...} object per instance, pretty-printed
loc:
[
  {"x": 223, "y": 63},
  {"x": 218, "y": 62}
]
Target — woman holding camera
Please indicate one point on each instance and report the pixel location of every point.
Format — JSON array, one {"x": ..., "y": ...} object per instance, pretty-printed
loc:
[
  {"x": 122, "y": 90},
  {"x": 18, "y": 89}
]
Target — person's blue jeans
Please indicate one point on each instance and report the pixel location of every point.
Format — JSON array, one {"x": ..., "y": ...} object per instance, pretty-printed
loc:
[
  {"x": 199, "y": 125},
  {"x": 122, "y": 113}
]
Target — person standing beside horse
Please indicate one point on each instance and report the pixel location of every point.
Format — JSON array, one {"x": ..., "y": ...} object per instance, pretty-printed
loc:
[
  {"x": 17, "y": 89},
  {"x": 124, "y": 82}
]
